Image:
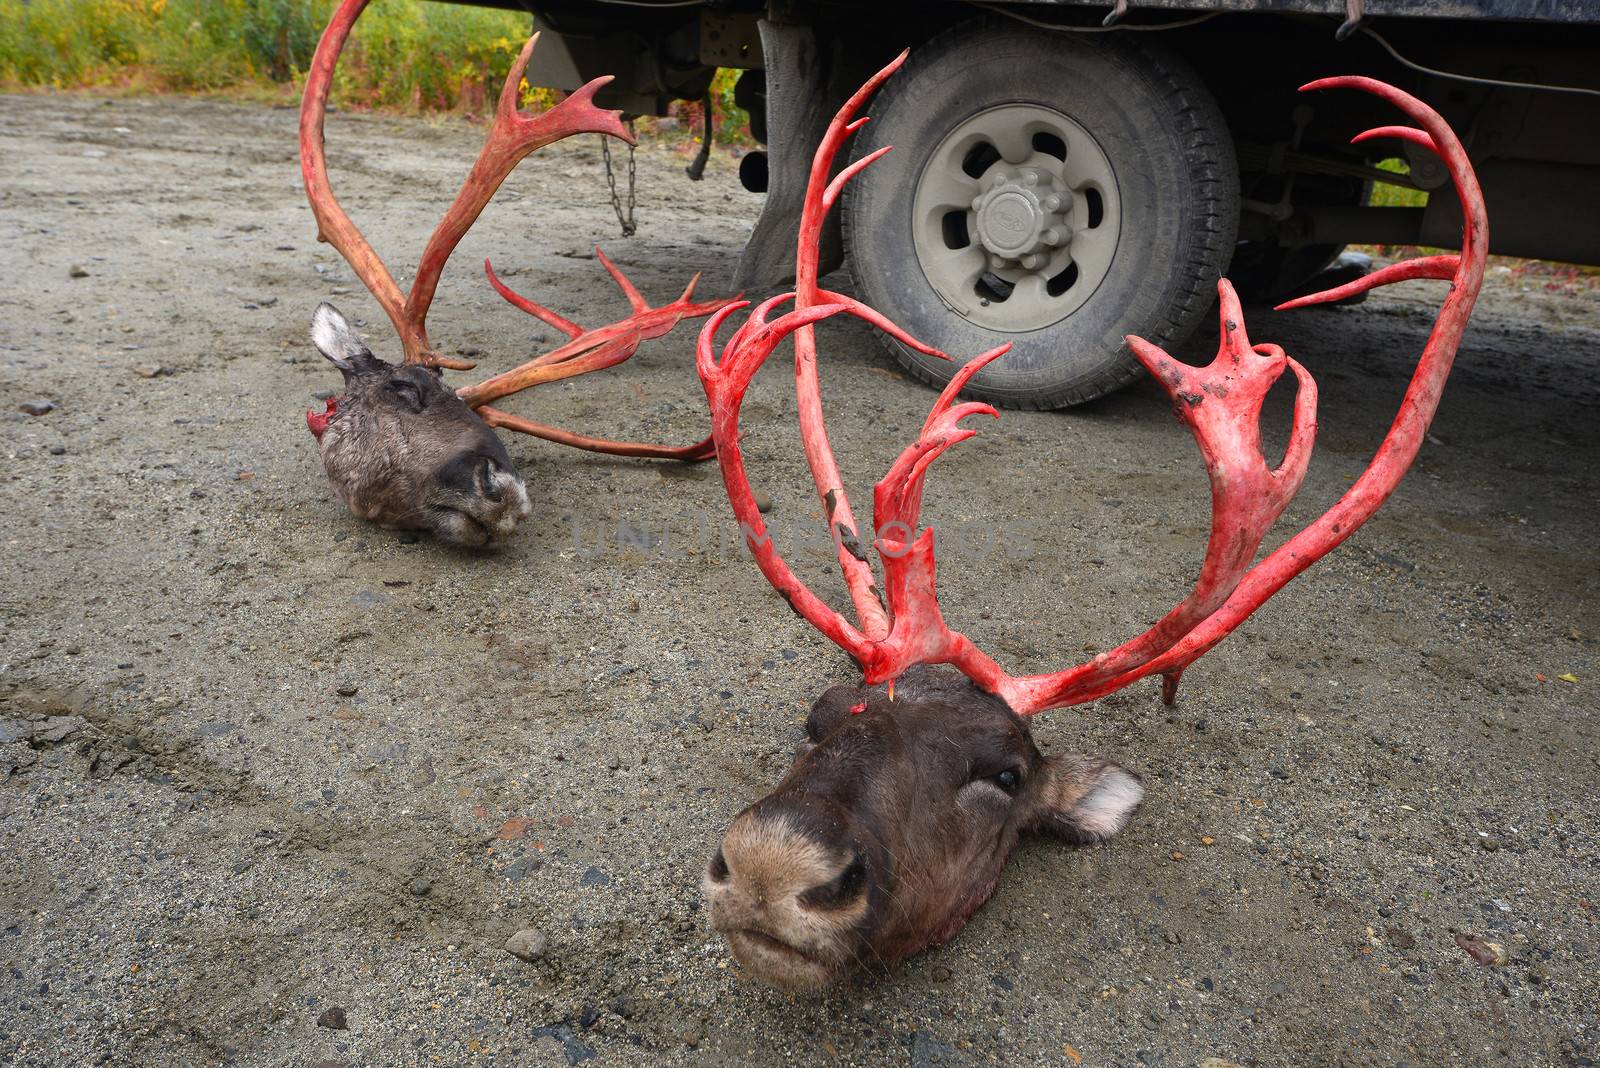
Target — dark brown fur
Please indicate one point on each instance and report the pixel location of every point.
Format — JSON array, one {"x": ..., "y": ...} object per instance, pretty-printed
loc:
[
  {"x": 403, "y": 450},
  {"x": 893, "y": 825}
]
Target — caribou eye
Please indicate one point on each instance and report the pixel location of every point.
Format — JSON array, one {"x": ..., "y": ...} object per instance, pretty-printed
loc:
[
  {"x": 407, "y": 392},
  {"x": 1008, "y": 780},
  {"x": 488, "y": 485},
  {"x": 719, "y": 868}
]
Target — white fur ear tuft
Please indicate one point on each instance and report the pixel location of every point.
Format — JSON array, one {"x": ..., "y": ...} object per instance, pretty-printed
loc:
[
  {"x": 335, "y": 338},
  {"x": 1107, "y": 807},
  {"x": 1086, "y": 799}
]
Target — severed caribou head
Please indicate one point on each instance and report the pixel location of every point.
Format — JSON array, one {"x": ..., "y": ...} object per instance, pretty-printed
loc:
[
  {"x": 404, "y": 451},
  {"x": 893, "y": 825},
  {"x": 401, "y": 447},
  {"x": 896, "y": 819}
]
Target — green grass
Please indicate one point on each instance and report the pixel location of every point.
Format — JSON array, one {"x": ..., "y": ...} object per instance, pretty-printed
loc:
[
  {"x": 403, "y": 53},
  {"x": 1385, "y": 195},
  {"x": 409, "y": 55}
]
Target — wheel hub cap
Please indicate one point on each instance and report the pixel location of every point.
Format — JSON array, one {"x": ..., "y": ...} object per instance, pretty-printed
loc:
[
  {"x": 1021, "y": 217},
  {"x": 1016, "y": 217}
]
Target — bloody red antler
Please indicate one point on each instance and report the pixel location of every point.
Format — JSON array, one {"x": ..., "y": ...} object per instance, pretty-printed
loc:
[
  {"x": 903, "y": 627},
  {"x": 512, "y": 136},
  {"x": 819, "y": 199},
  {"x": 1399, "y": 446},
  {"x": 586, "y": 351},
  {"x": 1221, "y": 403}
]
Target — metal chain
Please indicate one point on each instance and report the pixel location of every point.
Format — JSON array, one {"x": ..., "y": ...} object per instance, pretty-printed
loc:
[{"x": 624, "y": 217}]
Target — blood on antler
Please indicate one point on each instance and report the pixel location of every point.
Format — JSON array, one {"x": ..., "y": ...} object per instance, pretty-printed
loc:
[
  {"x": 512, "y": 136},
  {"x": 1220, "y": 403},
  {"x": 586, "y": 351}
]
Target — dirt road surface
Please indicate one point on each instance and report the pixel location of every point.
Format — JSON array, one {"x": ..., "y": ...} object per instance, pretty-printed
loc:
[{"x": 262, "y": 765}]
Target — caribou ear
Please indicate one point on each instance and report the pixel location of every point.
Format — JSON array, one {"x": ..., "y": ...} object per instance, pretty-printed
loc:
[
  {"x": 1085, "y": 799},
  {"x": 336, "y": 339},
  {"x": 833, "y": 708}
]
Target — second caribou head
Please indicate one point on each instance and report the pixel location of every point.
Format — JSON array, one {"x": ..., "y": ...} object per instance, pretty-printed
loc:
[{"x": 402, "y": 448}]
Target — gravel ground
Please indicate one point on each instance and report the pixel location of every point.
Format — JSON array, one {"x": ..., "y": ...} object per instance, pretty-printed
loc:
[{"x": 277, "y": 786}]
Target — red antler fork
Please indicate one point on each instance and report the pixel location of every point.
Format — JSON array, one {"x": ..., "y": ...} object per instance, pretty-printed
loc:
[
  {"x": 1220, "y": 403},
  {"x": 512, "y": 136}
]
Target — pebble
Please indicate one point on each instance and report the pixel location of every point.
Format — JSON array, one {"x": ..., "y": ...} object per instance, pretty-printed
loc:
[
  {"x": 418, "y": 887},
  {"x": 347, "y": 690},
  {"x": 36, "y": 407},
  {"x": 1489, "y": 954},
  {"x": 763, "y": 501},
  {"x": 527, "y": 944},
  {"x": 334, "y": 1019},
  {"x": 77, "y": 270},
  {"x": 56, "y": 729},
  {"x": 149, "y": 370},
  {"x": 58, "y": 450},
  {"x": 1489, "y": 845}
]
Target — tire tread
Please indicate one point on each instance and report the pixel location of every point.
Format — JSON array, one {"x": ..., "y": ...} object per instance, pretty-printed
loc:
[{"x": 1210, "y": 161}]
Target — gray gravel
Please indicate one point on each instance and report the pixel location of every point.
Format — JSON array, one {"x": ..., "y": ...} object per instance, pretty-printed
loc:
[{"x": 266, "y": 771}]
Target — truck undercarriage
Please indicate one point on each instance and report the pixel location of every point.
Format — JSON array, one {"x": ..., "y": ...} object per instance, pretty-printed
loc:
[{"x": 1066, "y": 173}]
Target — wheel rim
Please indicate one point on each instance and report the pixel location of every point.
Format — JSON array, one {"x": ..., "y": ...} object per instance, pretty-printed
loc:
[{"x": 1016, "y": 218}]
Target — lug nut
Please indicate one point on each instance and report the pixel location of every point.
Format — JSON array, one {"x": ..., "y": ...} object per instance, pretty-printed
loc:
[
  {"x": 1033, "y": 261},
  {"x": 997, "y": 261},
  {"x": 1056, "y": 236}
]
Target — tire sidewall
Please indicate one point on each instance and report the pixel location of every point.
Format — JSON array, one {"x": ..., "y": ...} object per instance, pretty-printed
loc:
[{"x": 1137, "y": 102}]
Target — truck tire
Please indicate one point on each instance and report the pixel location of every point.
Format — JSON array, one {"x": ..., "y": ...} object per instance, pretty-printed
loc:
[{"x": 1053, "y": 190}]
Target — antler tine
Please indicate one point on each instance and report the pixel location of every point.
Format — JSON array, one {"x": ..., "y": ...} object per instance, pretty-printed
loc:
[
  {"x": 522, "y": 303},
  {"x": 700, "y": 450},
  {"x": 635, "y": 298},
  {"x": 819, "y": 196},
  {"x": 897, "y": 498},
  {"x": 1391, "y": 460},
  {"x": 511, "y": 137},
  {"x": 725, "y": 384},
  {"x": 586, "y": 350},
  {"x": 1438, "y": 268},
  {"x": 334, "y": 225}
]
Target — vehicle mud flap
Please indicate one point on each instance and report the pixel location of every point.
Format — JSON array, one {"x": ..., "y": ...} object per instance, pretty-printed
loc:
[{"x": 810, "y": 72}]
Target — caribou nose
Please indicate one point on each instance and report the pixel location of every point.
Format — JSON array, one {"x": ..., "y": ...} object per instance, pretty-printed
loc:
[
  {"x": 777, "y": 859},
  {"x": 840, "y": 891},
  {"x": 789, "y": 895}
]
